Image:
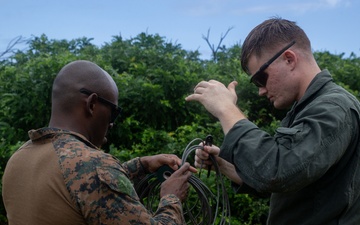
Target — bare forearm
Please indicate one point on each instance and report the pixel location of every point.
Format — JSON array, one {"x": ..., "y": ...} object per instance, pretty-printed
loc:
[
  {"x": 229, "y": 171},
  {"x": 229, "y": 117}
]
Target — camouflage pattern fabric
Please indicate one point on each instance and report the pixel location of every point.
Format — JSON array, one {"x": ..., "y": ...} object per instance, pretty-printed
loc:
[{"x": 100, "y": 186}]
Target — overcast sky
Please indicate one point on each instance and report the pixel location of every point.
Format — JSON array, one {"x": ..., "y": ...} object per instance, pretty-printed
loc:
[{"x": 332, "y": 25}]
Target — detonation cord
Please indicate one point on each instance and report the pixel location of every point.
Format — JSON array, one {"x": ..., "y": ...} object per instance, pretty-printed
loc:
[{"x": 206, "y": 207}]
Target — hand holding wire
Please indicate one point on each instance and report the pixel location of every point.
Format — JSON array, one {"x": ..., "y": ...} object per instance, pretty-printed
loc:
[{"x": 210, "y": 206}]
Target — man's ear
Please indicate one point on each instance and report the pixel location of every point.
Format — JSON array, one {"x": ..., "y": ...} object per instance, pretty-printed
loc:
[
  {"x": 91, "y": 103},
  {"x": 291, "y": 58}
]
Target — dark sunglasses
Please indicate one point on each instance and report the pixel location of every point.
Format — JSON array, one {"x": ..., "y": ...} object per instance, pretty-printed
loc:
[
  {"x": 260, "y": 77},
  {"x": 115, "y": 110}
]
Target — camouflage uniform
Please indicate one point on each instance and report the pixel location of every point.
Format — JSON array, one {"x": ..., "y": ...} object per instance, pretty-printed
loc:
[{"x": 59, "y": 177}]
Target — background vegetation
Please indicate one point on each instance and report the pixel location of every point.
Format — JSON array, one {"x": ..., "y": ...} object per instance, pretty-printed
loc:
[{"x": 154, "y": 76}]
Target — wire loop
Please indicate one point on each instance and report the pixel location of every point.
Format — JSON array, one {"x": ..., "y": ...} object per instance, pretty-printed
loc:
[{"x": 202, "y": 206}]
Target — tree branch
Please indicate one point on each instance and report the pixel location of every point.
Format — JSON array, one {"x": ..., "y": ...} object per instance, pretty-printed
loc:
[
  {"x": 214, "y": 50},
  {"x": 11, "y": 46}
]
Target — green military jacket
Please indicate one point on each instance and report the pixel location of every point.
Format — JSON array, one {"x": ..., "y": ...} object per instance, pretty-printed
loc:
[{"x": 311, "y": 165}]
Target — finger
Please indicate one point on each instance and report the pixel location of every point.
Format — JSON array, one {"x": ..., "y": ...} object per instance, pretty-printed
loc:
[
  {"x": 213, "y": 150},
  {"x": 202, "y": 151},
  {"x": 201, "y": 84},
  {"x": 193, "y": 169},
  {"x": 185, "y": 167},
  {"x": 175, "y": 162},
  {"x": 192, "y": 97},
  {"x": 200, "y": 159},
  {"x": 215, "y": 82},
  {"x": 174, "y": 156},
  {"x": 197, "y": 159},
  {"x": 200, "y": 165},
  {"x": 171, "y": 160},
  {"x": 199, "y": 90},
  {"x": 182, "y": 170},
  {"x": 201, "y": 154},
  {"x": 179, "y": 175},
  {"x": 207, "y": 151}
]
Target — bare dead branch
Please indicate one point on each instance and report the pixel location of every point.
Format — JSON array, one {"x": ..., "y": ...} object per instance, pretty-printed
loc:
[
  {"x": 222, "y": 37},
  {"x": 214, "y": 50},
  {"x": 207, "y": 39},
  {"x": 11, "y": 46}
]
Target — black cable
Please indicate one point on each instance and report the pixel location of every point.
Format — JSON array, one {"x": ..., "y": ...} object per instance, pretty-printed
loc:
[{"x": 207, "y": 207}]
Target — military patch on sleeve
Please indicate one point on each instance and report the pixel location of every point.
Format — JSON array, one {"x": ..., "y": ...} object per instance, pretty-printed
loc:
[{"x": 116, "y": 180}]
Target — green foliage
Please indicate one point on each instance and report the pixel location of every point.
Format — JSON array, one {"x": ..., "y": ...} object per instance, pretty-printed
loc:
[
  {"x": 250, "y": 210},
  {"x": 153, "y": 76},
  {"x": 345, "y": 71}
]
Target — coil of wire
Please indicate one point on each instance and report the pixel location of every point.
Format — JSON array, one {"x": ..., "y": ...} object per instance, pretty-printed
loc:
[{"x": 202, "y": 206}]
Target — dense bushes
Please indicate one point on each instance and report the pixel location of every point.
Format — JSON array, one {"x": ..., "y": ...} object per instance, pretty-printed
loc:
[{"x": 153, "y": 77}]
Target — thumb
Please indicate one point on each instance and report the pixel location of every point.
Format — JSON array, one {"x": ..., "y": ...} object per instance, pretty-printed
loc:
[
  {"x": 191, "y": 97},
  {"x": 231, "y": 87},
  {"x": 213, "y": 150}
]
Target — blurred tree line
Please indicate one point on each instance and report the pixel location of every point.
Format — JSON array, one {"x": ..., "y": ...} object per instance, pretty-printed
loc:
[{"x": 153, "y": 76}]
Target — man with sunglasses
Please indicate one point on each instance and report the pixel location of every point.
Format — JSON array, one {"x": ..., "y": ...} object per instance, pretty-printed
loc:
[
  {"x": 310, "y": 167},
  {"x": 61, "y": 176}
]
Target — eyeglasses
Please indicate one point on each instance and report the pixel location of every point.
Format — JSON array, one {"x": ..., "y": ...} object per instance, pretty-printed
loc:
[
  {"x": 260, "y": 77},
  {"x": 115, "y": 110}
]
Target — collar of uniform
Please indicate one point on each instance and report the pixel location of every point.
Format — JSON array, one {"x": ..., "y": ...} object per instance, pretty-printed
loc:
[{"x": 49, "y": 132}]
